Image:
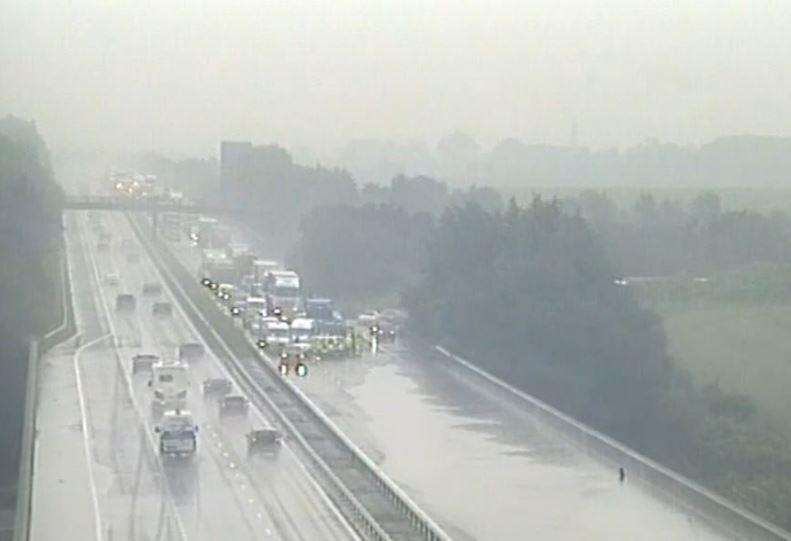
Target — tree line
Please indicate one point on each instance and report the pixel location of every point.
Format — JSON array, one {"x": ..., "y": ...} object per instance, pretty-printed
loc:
[
  {"x": 458, "y": 159},
  {"x": 30, "y": 242},
  {"x": 666, "y": 237}
]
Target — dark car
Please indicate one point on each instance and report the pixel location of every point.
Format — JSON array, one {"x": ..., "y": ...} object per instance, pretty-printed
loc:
[
  {"x": 216, "y": 387},
  {"x": 191, "y": 351},
  {"x": 143, "y": 362},
  {"x": 162, "y": 309},
  {"x": 125, "y": 302},
  {"x": 152, "y": 289},
  {"x": 265, "y": 441},
  {"x": 233, "y": 405}
]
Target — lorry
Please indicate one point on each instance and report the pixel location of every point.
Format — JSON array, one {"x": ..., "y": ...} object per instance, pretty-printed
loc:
[
  {"x": 275, "y": 333},
  {"x": 242, "y": 258},
  {"x": 262, "y": 267},
  {"x": 178, "y": 434},
  {"x": 302, "y": 329},
  {"x": 283, "y": 293},
  {"x": 204, "y": 231},
  {"x": 328, "y": 321},
  {"x": 169, "y": 383},
  {"x": 217, "y": 267},
  {"x": 255, "y": 308}
]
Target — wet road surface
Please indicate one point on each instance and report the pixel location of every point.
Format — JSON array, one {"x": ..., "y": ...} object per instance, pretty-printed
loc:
[
  {"x": 97, "y": 472},
  {"x": 474, "y": 457}
]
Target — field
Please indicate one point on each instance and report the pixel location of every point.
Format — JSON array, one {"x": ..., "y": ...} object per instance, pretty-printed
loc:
[{"x": 733, "y": 330}]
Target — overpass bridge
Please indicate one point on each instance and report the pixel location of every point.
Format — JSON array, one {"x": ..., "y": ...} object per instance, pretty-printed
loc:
[
  {"x": 128, "y": 204},
  {"x": 154, "y": 207}
]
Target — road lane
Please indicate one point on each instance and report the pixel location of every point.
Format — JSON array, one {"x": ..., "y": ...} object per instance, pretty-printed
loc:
[
  {"x": 76, "y": 398},
  {"x": 290, "y": 499}
]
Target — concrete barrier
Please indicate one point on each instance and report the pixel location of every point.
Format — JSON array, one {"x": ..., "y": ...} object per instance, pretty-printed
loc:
[{"x": 65, "y": 329}]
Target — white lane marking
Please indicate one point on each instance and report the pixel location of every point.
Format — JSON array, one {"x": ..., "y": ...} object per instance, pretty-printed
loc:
[
  {"x": 86, "y": 435},
  {"x": 130, "y": 389},
  {"x": 257, "y": 411}
]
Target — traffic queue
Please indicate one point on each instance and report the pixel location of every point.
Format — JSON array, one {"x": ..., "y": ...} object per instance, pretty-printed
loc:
[{"x": 268, "y": 301}]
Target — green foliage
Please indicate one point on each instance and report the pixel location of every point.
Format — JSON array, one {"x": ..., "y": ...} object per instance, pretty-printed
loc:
[
  {"x": 29, "y": 243},
  {"x": 663, "y": 237},
  {"x": 531, "y": 294},
  {"x": 359, "y": 252}
]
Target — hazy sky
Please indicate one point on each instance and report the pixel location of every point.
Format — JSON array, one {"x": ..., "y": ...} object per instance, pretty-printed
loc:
[{"x": 181, "y": 75}]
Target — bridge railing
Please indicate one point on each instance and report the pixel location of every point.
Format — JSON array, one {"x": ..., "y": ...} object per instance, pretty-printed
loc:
[{"x": 121, "y": 203}]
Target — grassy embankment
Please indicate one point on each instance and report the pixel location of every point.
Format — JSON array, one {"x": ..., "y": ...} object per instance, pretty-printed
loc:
[{"x": 733, "y": 330}]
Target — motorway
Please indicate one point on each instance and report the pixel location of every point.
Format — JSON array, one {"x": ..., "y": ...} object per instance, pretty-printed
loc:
[
  {"x": 96, "y": 472},
  {"x": 473, "y": 456}
]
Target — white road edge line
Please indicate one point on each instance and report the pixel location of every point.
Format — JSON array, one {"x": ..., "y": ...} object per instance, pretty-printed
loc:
[
  {"x": 86, "y": 434},
  {"x": 324, "y": 496},
  {"x": 103, "y": 305}
]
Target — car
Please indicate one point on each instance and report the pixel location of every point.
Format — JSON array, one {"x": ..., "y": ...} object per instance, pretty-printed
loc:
[
  {"x": 103, "y": 246},
  {"x": 152, "y": 289},
  {"x": 225, "y": 292},
  {"x": 125, "y": 302},
  {"x": 216, "y": 387},
  {"x": 162, "y": 308},
  {"x": 264, "y": 441},
  {"x": 112, "y": 279},
  {"x": 142, "y": 362},
  {"x": 238, "y": 309},
  {"x": 233, "y": 405},
  {"x": 133, "y": 257},
  {"x": 191, "y": 351}
]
